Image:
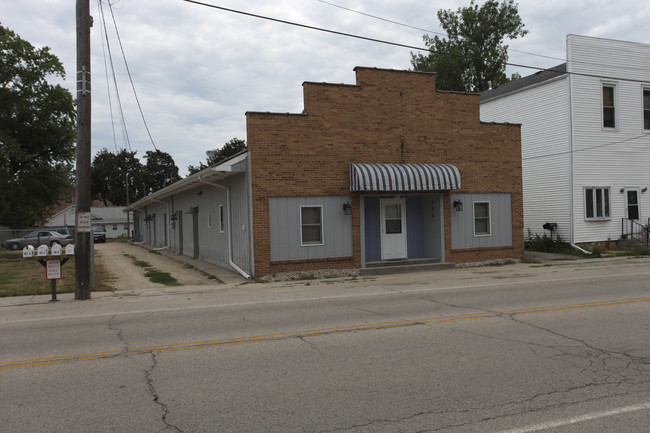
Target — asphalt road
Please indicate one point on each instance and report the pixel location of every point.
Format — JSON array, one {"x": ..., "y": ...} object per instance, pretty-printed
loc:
[{"x": 520, "y": 348}]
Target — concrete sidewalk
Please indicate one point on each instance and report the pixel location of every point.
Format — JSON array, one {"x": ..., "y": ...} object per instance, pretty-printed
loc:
[
  {"x": 226, "y": 276},
  {"x": 235, "y": 283}
]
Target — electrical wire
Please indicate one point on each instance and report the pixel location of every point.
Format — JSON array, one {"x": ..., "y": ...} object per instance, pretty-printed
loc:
[
  {"x": 108, "y": 90},
  {"x": 397, "y": 44},
  {"x": 424, "y": 30},
  {"x": 598, "y": 146},
  {"x": 135, "y": 93},
  {"x": 125, "y": 131}
]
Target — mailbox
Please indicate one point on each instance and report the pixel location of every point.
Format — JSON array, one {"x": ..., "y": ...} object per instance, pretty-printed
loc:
[{"x": 549, "y": 226}]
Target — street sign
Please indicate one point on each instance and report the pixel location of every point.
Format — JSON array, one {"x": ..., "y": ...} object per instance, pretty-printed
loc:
[
  {"x": 84, "y": 222},
  {"x": 53, "y": 269}
]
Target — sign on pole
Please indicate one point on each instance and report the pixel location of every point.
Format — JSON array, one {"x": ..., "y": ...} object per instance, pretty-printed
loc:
[
  {"x": 84, "y": 222},
  {"x": 53, "y": 269}
]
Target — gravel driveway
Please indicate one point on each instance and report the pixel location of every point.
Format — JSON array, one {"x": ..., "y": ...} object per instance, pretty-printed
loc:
[{"x": 117, "y": 259}]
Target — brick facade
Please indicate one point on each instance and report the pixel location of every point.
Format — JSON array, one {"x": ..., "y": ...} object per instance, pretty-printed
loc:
[{"x": 387, "y": 117}]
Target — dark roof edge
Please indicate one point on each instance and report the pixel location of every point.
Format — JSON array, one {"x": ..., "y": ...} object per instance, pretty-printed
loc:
[{"x": 522, "y": 83}]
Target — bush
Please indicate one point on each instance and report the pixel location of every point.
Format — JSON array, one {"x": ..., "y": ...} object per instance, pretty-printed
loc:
[
  {"x": 544, "y": 243},
  {"x": 641, "y": 251},
  {"x": 596, "y": 249}
]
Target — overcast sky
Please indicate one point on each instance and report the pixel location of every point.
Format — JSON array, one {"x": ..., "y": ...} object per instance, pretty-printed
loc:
[{"x": 198, "y": 70}]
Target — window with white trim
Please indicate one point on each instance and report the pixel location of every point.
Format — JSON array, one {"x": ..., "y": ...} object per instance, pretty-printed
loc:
[
  {"x": 597, "y": 203},
  {"x": 609, "y": 106},
  {"x": 221, "y": 220},
  {"x": 311, "y": 225},
  {"x": 646, "y": 109},
  {"x": 482, "y": 218}
]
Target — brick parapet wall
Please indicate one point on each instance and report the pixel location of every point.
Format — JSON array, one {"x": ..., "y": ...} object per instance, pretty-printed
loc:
[{"x": 387, "y": 117}]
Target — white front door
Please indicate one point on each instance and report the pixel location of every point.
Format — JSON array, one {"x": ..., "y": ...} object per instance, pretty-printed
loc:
[{"x": 393, "y": 228}]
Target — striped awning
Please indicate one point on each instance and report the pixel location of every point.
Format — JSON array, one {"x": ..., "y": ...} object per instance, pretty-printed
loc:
[{"x": 403, "y": 177}]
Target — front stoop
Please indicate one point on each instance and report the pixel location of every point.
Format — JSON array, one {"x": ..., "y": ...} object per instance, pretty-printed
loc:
[
  {"x": 403, "y": 266},
  {"x": 628, "y": 244}
]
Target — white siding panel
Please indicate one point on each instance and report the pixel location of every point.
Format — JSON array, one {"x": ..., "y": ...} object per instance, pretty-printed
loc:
[
  {"x": 608, "y": 158},
  {"x": 544, "y": 115}
]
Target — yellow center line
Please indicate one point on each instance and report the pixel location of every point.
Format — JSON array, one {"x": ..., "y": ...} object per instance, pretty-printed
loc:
[{"x": 33, "y": 362}]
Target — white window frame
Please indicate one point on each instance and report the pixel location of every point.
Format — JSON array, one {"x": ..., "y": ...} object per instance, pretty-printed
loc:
[
  {"x": 644, "y": 110},
  {"x": 489, "y": 218},
  {"x": 322, "y": 228},
  {"x": 221, "y": 219},
  {"x": 607, "y": 204},
  {"x": 614, "y": 88}
]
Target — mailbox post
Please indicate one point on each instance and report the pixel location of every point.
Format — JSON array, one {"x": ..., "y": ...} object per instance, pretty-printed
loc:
[
  {"x": 550, "y": 227},
  {"x": 52, "y": 265}
]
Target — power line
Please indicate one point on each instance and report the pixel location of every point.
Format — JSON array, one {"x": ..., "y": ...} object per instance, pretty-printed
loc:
[
  {"x": 424, "y": 30},
  {"x": 397, "y": 44},
  {"x": 117, "y": 90},
  {"x": 598, "y": 146},
  {"x": 350, "y": 35},
  {"x": 137, "y": 100},
  {"x": 108, "y": 89}
]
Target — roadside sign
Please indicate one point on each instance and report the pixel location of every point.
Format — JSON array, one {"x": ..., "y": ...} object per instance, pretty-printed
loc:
[
  {"x": 84, "y": 222},
  {"x": 53, "y": 269}
]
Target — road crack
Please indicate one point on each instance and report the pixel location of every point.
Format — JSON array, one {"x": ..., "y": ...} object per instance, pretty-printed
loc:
[
  {"x": 119, "y": 332},
  {"x": 156, "y": 398}
]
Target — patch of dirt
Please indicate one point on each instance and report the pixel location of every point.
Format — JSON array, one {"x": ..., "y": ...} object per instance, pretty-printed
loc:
[{"x": 120, "y": 273}]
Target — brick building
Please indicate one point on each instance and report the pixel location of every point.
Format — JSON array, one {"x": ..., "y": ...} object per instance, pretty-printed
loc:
[{"x": 386, "y": 170}]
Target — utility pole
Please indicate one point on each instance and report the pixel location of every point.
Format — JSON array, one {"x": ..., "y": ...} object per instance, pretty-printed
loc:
[
  {"x": 128, "y": 213},
  {"x": 82, "y": 206}
]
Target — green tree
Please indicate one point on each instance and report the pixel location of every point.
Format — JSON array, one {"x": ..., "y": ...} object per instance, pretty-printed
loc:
[
  {"x": 37, "y": 132},
  {"x": 474, "y": 53},
  {"x": 232, "y": 147},
  {"x": 161, "y": 170},
  {"x": 109, "y": 173}
]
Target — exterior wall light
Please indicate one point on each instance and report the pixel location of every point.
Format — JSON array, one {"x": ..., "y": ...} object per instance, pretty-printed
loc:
[
  {"x": 458, "y": 205},
  {"x": 347, "y": 208}
]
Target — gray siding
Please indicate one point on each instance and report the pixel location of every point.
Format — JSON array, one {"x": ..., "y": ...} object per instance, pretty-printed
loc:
[
  {"x": 462, "y": 222},
  {"x": 284, "y": 219},
  {"x": 212, "y": 241},
  {"x": 239, "y": 221}
]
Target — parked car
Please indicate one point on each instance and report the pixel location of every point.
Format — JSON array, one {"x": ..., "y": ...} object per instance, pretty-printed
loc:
[
  {"x": 38, "y": 237},
  {"x": 99, "y": 234},
  {"x": 62, "y": 230}
]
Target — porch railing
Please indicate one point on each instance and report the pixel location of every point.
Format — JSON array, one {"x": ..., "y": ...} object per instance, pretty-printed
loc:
[{"x": 632, "y": 229}]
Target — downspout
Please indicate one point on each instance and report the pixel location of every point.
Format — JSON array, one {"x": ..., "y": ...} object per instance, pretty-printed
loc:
[
  {"x": 230, "y": 260},
  {"x": 166, "y": 225},
  {"x": 579, "y": 249},
  {"x": 571, "y": 164},
  {"x": 569, "y": 69}
]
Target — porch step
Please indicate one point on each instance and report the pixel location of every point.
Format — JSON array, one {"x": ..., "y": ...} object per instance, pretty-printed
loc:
[
  {"x": 628, "y": 244},
  {"x": 388, "y": 267}
]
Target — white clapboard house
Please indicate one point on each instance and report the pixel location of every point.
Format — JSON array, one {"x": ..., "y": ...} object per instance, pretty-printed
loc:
[{"x": 585, "y": 137}]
